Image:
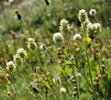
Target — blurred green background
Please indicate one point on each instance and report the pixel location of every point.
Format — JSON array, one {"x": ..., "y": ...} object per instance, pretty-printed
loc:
[{"x": 37, "y": 15}]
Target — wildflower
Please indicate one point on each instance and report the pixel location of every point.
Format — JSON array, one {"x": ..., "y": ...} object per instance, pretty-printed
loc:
[
  {"x": 31, "y": 44},
  {"x": 87, "y": 39},
  {"x": 64, "y": 26},
  {"x": 93, "y": 29},
  {"x": 82, "y": 15},
  {"x": 43, "y": 46},
  {"x": 17, "y": 59},
  {"x": 58, "y": 37},
  {"x": 10, "y": 66},
  {"x": 77, "y": 37},
  {"x": 10, "y": 1},
  {"x": 85, "y": 23},
  {"x": 92, "y": 12},
  {"x": 57, "y": 79},
  {"x": 22, "y": 53},
  {"x": 71, "y": 58},
  {"x": 64, "y": 22},
  {"x": 63, "y": 90},
  {"x": 78, "y": 75}
]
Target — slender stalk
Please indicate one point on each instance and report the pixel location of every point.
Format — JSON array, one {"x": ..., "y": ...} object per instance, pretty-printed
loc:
[
  {"x": 96, "y": 93},
  {"x": 89, "y": 65}
]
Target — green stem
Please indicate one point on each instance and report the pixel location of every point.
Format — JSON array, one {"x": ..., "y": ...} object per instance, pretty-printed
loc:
[{"x": 89, "y": 65}]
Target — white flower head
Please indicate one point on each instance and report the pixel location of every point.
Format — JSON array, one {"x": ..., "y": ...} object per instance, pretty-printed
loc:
[
  {"x": 77, "y": 37},
  {"x": 31, "y": 40},
  {"x": 43, "y": 46},
  {"x": 63, "y": 90},
  {"x": 17, "y": 59},
  {"x": 21, "y": 52},
  {"x": 64, "y": 26},
  {"x": 82, "y": 15},
  {"x": 96, "y": 27},
  {"x": 58, "y": 37},
  {"x": 10, "y": 66},
  {"x": 10, "y": 1},
  {"x": 64, "y": 22},
  {"x": 31, "y": 44},
  {"x": 92, "y": 12}
]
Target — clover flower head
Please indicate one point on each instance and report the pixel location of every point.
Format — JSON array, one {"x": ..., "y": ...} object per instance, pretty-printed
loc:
[
  {"x": 64, "y": 26},
  {"x": 93, "y": 29},
  {"x": 43, "y": 46},
  {"x": 77, "y": 37},
  {"x": 82, "y": 15},
  {"x": 22, "y": 53},
  {"x": 31, "y": 44},
  {"x": 10, "y": 66},
  {"x": 17, "y": 59},
  {"x": 92, "y": 12},
  {"x": 58, "y": 37},
  {"x": 64, "y": 22},
  {"x": 63, "y": 90}
]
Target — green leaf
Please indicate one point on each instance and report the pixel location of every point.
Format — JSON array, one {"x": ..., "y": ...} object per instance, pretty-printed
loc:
[
  {"x": 68, "y": 71},
  {"x": 69, "y": 63},
  {"x": 47, "y": 84}
]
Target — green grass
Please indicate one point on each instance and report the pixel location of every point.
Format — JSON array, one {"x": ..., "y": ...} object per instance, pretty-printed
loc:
[{"x": 44, "y": 72}]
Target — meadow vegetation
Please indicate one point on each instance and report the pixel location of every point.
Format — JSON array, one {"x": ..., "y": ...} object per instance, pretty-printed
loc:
[{"x": 60, "y": 51}]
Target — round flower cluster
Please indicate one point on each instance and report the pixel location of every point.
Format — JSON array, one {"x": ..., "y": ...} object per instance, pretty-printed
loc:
[
  {"x": 77, "y": 37},
  {"x": 58, "y": 37},
  {"x": 10, "y": 66},
  {"x": 91, "y": 28},
  {"x": 21, "y": 52},
  {"x": 64, "y": 26},
  {"x": 17, "y": 60},
  {"x": 82, "y": 15},
  {"x": 63, "y": 90},
  {"x": 92, "y": 12},
  {"x": 31, "y": 44}
]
